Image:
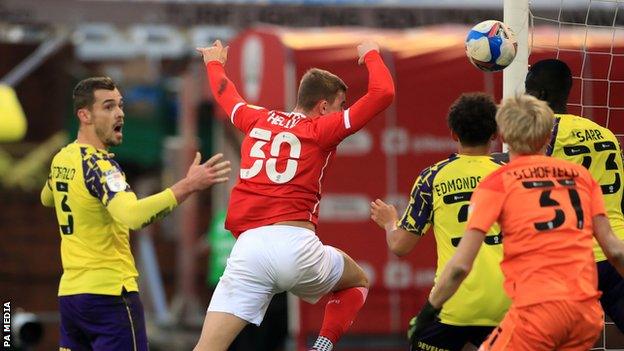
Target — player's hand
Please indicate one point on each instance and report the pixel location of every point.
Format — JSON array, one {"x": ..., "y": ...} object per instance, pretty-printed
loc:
[
  {"x": 213, "y": 171},
  {"x": 364, "y": 48},
  {"x": 216, "y": 52},
  {"x": 427, "y": 316},
  {"x": 383, "y": 214}
]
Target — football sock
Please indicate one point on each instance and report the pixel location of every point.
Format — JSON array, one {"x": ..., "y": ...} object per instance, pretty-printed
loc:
[
  {"x": 340, "y": 312},
  {"x": 322, "y": 344}
]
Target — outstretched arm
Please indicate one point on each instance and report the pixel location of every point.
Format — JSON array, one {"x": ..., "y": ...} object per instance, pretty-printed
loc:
[
  {"x": 125, "y": 208},
  {"x": 399, "y": 240},
  {"x": 403, "y": 235}
]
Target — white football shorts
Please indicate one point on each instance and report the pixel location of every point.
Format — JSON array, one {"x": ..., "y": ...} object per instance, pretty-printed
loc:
[{"x": 272, "y": 259}]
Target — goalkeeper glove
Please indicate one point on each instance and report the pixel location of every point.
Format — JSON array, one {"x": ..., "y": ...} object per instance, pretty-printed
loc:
[{"x": 427, "y": 316}]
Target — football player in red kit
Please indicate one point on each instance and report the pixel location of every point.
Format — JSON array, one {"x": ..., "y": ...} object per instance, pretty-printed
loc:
[{"x": 274, "y": 207}]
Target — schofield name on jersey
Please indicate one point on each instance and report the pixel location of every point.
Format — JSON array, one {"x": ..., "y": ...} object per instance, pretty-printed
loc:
[
  {"x": 544, "y": 172},
  {"x": 457, "y": 184},
  {"x": 65, "y": 173},
  {"x": 587, "y": 134},
  {"x": 281, "y": 120}
]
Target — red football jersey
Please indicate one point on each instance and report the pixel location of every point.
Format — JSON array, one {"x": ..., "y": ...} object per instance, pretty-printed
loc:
[{"x": 284, "y": 156}]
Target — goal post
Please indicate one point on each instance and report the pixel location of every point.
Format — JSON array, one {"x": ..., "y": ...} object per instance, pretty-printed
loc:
[{"x": 516, "y": 16}]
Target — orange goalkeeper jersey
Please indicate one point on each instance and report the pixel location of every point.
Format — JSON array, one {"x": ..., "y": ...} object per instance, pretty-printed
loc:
[{"x": 545, "y": 207}]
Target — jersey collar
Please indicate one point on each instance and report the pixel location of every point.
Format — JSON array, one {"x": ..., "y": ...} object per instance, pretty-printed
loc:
[{"x": 90, "y": 147}]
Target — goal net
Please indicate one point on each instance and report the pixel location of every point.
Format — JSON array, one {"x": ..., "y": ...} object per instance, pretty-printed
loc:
[{"x": 589, "y": 36}]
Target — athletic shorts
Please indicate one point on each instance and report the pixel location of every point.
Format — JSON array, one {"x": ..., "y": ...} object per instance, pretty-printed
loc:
[
  {"x": 102, "y": 322},
  {"x": 445, "y": 337},
  {"x": 552, "y": 325},
  {"x": 611, "y": 283},
  {"x": 272, "y": 259}
]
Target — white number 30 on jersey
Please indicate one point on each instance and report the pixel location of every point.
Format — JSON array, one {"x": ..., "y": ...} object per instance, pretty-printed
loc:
[{"x": 264, "y": 136}]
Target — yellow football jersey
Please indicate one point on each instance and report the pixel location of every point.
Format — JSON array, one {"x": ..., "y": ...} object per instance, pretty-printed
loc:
[
  {"x": 585, "y": 142},
  {"x": 440, "y": 196},
  {"x": 95, "y": 250}
]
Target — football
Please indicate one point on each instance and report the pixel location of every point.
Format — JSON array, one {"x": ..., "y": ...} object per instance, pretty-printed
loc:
[{"x": 491, "y": 46}]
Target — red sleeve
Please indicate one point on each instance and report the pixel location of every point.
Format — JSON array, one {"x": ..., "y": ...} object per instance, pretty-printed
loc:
[
  {"x": 333, "y": 128},
  {"x": 486, "y": 203},
  {"x": 242, "y": 115}
]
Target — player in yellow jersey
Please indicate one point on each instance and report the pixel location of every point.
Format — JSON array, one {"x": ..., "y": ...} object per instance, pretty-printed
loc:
[
  {"x": 95, "y": 207},
  {"x": 585, "y": 142},
  {"x": 440, "y": 197}
]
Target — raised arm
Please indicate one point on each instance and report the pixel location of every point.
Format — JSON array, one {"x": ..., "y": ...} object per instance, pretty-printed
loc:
[
  {"x": 380, "y": 91},
  {"x": 243, "y": 116},
  {"x": 335, "y": 127}
]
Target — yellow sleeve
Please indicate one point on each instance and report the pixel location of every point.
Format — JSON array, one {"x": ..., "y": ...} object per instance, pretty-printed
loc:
[
  {"x": 418, "y": 215},
  {"x": 47, "y": 198},
  {"x": 125, "y": 208}
]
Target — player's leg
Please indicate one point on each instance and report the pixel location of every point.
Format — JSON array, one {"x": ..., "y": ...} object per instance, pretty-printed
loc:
[
  {"x": 353, "y": 276},
  {"x": 136, "y": 316},
  {"x": 611, "y": 283},
  {"x": 244, "y": 291},
  {"x": 539, "y": 327},
  {"x": 476, "y": 336},
  {"x": 440, "y": 336},
  {"x": 116, "y": 322},
  {"x": 345, "y": 301},
  {"x": 587, "y": 326},
  {"x": 72, "y": 337},
  {"x": 219, "y": 330}
]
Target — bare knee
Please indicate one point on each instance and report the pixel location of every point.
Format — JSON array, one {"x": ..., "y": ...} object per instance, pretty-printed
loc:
[
  {"x": 364, "y": 280},
  {"x": 360, "y": 277},
  {"x": 218, "y": 331},
  {"x": 353, "y": 276}
]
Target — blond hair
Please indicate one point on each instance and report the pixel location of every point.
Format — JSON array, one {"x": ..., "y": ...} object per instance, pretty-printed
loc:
[{"x": 525, "y": 123}]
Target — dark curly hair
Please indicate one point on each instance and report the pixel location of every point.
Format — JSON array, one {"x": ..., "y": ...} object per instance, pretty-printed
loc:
[{"x": 472, "y": 118}]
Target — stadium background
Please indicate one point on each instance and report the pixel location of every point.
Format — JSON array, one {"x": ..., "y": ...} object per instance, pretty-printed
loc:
[{"x": 147, "y": 46}]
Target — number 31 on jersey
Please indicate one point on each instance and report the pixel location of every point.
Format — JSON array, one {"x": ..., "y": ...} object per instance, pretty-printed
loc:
[{"x": 263, "y": 137}]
